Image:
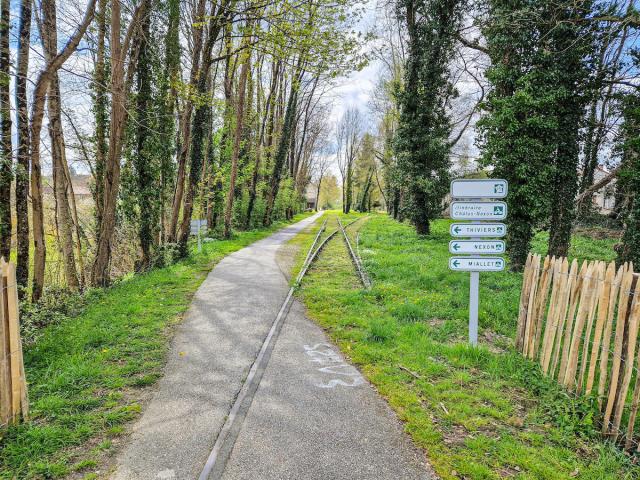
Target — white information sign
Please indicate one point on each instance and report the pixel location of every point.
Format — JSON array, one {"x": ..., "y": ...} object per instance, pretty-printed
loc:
[
  {"x": 197, "y": 226},
  {"x": 478, "y": 210},
  {"x": 479, "y": 188},
  {"x": 478, "y": 230},
  {"x": 476, "y": 264},
  {"x": 476, "y": 246}
]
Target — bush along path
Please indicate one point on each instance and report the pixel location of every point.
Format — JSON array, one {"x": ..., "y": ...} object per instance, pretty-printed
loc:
[
  {"x": 483, "y": 413},
  {"x": 87, "y": 373}
]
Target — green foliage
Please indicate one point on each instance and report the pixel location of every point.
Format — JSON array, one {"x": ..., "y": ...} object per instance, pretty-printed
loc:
[
  {"x": 539, "y": 53},
  {"x": 629, "y": 250},
  {"x": 422, "y": 141},
  {"x": 483, "y": 413}
]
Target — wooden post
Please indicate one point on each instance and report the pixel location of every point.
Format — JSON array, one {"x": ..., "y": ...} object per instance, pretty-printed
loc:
[
  {"x": 597, "y": 285},
  {"x": 540, "y": 304},
  {"x": 623, "y": 305},
  {"x": 606, "y": 339},
  {"x": 632, "y": 313},
  {"x": 560, "y": 272},
  {"x": 524, "y": 300},
  {"x": 603, "y": 310},
  {"x": 568, "y": 334},
  {"x": 568, "y": 287},
  {"x": 13, "y": 389},
  {"x": 586, "y": 293}
]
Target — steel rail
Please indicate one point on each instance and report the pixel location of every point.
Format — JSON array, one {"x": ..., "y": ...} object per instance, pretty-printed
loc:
[{"x": 356, "y": 260}]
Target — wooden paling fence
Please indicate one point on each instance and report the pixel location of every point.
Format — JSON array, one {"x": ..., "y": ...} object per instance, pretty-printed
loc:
[
  {"x": 14, "y": 403},
  {"x": 580, "y": 322}
]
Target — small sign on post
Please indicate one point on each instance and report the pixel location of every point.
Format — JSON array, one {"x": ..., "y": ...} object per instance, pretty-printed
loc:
[
  {"x": 478, "y": 230},
  {"x": 477, "y": 204},
  {"x": 476, "y": 246}
]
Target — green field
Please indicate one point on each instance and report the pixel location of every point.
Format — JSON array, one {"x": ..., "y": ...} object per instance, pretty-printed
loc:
[
  {"x": 483, "y": 413},
  {"x": 87, "y": 374}
]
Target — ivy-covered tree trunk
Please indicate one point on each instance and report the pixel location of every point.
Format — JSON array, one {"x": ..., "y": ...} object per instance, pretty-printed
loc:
[
  {"x": 6, "y": 144},
  {"x": 239, "y": 123},
  {"x": 143, "y": 158},
  {"x": 184, "y": 130},
  {"x": 100, "y": 108},
  {"x": 530, "y": 133},
  {"x": 422, "y": 137},
  {"x": 564, "y": 64},
  {"x": 168, "y": 98},
  {"x": 629, "y": 181},
  {"x": 283, "y": 149},
  {"x": 217, "y": 20},
  {"x": 22, "y": 136}
]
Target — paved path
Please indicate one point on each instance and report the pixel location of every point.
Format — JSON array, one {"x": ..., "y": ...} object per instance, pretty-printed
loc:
[{"x": 313, "y": 416}]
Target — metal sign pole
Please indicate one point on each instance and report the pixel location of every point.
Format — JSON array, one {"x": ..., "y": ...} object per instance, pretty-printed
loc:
[{"x": 474, "y": 298}]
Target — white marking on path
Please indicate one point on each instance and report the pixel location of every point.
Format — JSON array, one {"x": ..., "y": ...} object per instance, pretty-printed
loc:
[{"x": 337, "y": 366}]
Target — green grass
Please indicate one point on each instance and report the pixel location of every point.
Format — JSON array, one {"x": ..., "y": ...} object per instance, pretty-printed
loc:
[
  {"x": 86, "y": 374},
  {"x": 483, "y": 413}
]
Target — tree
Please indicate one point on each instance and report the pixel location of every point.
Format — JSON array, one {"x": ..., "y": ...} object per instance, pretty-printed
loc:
[
  {"x": 422, "y": 139},
  {"x": 61, "y": 186},
  {"x": 6, "y": 144},
  {"x": 22, "y": 136},
  {"x": 348, "y": 138},
  {"x": 37, "y": 114},
  {"x": 629, "y": 183},
  {"x": 531, "y": 130},
  {"x": 100, "y": 274}
]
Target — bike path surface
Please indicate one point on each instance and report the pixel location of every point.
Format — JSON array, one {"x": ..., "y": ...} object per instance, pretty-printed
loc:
[{"x": 313, "y": 416}]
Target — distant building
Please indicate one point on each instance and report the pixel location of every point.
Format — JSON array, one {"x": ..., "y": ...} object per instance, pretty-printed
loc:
[
  {"x": 605, "y": 198},
  {"x": 80, "y": 183},
  {"x": 310, "y": 196}
]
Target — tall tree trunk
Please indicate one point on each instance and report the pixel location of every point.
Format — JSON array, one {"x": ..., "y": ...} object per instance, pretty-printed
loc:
[
  {"x": 142, "y": 158},
  {"x": 200, "y": 121},
  {"x": 100, "y": 272},
  {"x": 22, "y": 131},
  {"x": 169, "y": 99},
  {"x": 283, "y": 146},
  {"x": 318, "y": 193},
  {"x": 49, "y": 36},
  {"x": 100, "y": 108},
  {"x": 239, "y": 123},
  {"x": 184, "y": 136},
  {"x": 37, "y": 114},
  {"x": 6, "y": 147},
  {"x": 60, "y": 185}
]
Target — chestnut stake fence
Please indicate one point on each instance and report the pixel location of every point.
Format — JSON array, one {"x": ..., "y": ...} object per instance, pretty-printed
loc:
[
  {"x": 580, "y": 323},
  {"x": 14, "y": 403}
]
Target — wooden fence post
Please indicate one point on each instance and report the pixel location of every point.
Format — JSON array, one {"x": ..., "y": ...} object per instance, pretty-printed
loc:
[{"x": 13, "y": 390}]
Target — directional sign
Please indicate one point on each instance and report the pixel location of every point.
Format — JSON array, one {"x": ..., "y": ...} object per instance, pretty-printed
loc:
[
  {"x": 478, "y": 210},
  {"x": 476, "y": 246},
  {"x": 478, "y": 229},
  {"x": 479, "y": 188},
  {"x": 197, "y": 226},
  {"x": 476, "y": 264}
]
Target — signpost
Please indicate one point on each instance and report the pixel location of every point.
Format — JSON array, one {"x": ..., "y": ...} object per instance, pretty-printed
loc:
[
  {"x": 476, "y": 264},
  {"x": 478, "y": 229},
  {"x": 479, "y": 188},
  {"x": 478, "y": 210},
  {"x": 476, "y": 246},
  {"x": 478, "y": 204},
  {"x": 195, "y": 227}
]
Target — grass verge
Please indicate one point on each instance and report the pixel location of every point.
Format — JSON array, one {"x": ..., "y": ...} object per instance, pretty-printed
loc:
[
  {"x": 87, "y": 374},
  {"x": 482, "y": 413}
]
